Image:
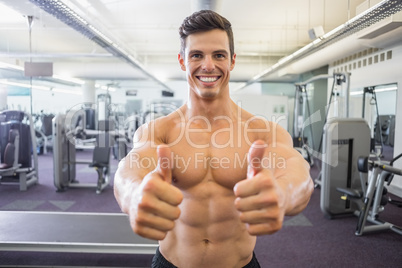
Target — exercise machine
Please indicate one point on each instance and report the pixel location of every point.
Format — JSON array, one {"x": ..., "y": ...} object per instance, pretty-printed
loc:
[
  {"x": 18, "y": 149},
  {"x": 103, "y": 105},
  {"x": 303, "y": 117},
  {"x": 339, "y": 102},
  {"x": 344, "y": 140},
  {"x": 375, "y": 121},
  {"x": 64, "y": 157},
  {"x": 370, "y": 198},
  {"x": 302, "y": 113},
  {"x": 43, "y": 132},
  {"x": 71, "y": 232}
]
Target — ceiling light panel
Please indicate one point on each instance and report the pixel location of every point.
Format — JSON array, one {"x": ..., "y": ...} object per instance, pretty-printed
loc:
[{"x": 65, "y": 14}]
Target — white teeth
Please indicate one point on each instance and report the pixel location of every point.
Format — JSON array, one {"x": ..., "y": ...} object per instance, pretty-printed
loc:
[{"x": 208, "y": 79}]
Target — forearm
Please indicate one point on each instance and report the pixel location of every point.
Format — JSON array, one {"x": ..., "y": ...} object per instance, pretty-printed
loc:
[
  {"x": 297, "y": 187},
  {"x": 125, "y": 183}
]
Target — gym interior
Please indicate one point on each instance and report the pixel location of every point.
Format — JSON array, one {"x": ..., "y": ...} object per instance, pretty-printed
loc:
[{"x": 78, "y": 78}]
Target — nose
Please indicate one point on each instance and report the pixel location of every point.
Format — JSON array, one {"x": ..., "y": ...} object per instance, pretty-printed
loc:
[{"x": 208, "y": 64}]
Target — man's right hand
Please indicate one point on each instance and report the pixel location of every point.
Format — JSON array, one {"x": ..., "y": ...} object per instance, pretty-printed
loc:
[{"x": 155, "y": 203}]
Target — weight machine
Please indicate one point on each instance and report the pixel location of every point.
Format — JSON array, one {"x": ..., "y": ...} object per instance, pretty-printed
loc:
[
  {"x": 302, "y": 115},
  {"x": 64, "y": 157},
  {"x": 382, "y": 126},
  {"x": 370, "y": 199},
  {"x": 18, "y": 149},
  {"x": 342, "y": 141}
]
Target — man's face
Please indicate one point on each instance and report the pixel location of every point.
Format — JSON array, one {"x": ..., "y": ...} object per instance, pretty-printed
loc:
[{"x": 207, "y": 63}]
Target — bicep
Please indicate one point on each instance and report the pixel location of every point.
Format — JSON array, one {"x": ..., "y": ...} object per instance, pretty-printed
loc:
[
  {"x": 142, "y": 159},
  {"x": 284, "y": 158}
]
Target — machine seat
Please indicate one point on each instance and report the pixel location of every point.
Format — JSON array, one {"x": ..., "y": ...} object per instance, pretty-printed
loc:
[
  {"x": 10, "y": 157},
  {"x": 100, "y": 161}
]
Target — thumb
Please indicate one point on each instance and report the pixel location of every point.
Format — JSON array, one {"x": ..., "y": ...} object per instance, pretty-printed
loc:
[
  {"x": 255, "y": 157},
  {"x": 164, "y": 167}
]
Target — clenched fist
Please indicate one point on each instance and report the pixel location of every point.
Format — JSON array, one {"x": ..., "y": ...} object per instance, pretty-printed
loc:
[
  {"x": 156, "y": 201},
  {"x": 260, "y": 200}
]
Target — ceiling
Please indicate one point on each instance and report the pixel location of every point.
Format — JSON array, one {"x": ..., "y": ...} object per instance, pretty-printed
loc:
[{"x": 265, "y": 31}]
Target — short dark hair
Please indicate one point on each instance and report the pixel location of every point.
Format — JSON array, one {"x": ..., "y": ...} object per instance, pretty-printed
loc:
[{"x": 203, "y": 21}]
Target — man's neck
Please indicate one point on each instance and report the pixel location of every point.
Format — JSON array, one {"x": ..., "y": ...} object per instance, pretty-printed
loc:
[{"x": 210, "y": 108}]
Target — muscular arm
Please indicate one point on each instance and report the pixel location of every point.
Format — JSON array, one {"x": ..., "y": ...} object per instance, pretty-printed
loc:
[
  {"x": 130, "y": 172},
  {"x": 278, "y": 183},
  {"x": 292, "y": 174},
  {"x": 143, "y": 190}
]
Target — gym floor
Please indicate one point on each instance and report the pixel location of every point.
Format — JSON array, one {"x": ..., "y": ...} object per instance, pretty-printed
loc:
[{"x": 307, "y": 240}]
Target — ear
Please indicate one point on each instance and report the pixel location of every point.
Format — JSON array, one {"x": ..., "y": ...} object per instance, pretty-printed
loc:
[
  {"x": 181, "y": 61},
  {"x": 232, "y": 65}
]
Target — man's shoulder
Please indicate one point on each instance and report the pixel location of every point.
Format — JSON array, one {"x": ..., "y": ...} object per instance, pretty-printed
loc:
[
  {"x": 263, "y": 128},
  {"x": 256, "y": 121}
]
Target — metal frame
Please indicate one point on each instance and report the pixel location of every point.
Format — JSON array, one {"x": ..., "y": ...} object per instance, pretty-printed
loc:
[
  {"x": 64, "y": 158},
  {"x": 370, "y": 207}
]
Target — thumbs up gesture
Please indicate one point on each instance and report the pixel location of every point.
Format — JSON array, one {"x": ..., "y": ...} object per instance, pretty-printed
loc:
[
  {"x": 156, "y": 200},
  {"x": 259, "y": 199}
]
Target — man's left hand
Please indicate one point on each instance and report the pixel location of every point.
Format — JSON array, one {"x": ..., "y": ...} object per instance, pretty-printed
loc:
[{"x": 259, "y": 199}]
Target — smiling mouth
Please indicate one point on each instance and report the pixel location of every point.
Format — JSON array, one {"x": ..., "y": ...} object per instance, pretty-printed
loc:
[{"x": 208, "y": 79}]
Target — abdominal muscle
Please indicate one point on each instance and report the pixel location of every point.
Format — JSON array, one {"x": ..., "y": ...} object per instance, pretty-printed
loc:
[{"x": 208, "y": 232}]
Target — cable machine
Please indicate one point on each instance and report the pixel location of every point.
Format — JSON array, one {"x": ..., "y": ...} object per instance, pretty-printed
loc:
[
  {"x": 378, "y": 150},
  {"x": 302, "y": 114}
]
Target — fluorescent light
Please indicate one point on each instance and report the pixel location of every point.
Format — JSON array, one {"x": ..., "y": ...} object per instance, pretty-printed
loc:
[
  {"x": 45, "y": 88},
  {"x": 107, "y": 39},
  {"x": 69, "y": 79},
  {"x": 9, "y": 83},
  {"x": 384, "y": 89},
  {"x": 66, "y": 91},
  {"x": 371, "y": 16},
  {"x": 108, "y": 88},
  {"x": 67, "y": 15},
  {"x": 4, "y": 65}
]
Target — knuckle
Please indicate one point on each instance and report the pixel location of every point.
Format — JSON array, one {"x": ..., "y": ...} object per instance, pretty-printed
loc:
[
  {"x": 265, "y": 182},
  {"x": 150, "y": 185},
  {"x": 237, "y": 203},
  {"x": 138, "y": 229},
  {"x": 141, "y": 219},
  {"x": 269, "y": 200},
  {"x": 145, "y": 203},
  {"x": 161, "y": 236}
]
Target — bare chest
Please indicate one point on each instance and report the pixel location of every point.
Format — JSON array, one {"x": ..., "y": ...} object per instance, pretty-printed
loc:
[{"x": 223, "y": 165}]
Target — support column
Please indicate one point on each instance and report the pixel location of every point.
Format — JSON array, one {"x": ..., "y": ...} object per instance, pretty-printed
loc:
[
  {"x": 88, "y": 91},
  {"x": 89, "y": 98},
  {"x": 3, "y": 97}
]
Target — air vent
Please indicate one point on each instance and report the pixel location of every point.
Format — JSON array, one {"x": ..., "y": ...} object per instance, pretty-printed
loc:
[{"x": 362, "y": 59}]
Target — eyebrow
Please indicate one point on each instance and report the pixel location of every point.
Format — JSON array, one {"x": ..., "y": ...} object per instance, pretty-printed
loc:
[
  {"x": 221, "y": 51},
  {"x": 195, "y": 52}
]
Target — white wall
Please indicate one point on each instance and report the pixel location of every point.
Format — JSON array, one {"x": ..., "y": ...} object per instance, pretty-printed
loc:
[
  {"x": 48, "y": 101},
  {"x": 383, "y": 72},
  {"x": 272, "y": 108}
]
